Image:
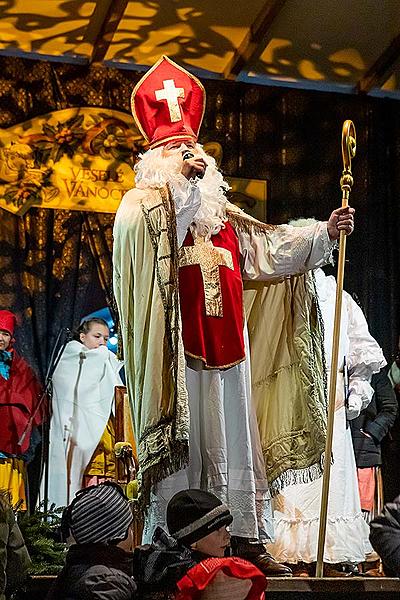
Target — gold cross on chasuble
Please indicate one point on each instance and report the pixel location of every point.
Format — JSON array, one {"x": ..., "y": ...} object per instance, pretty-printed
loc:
[{"x": 209, "y": 258}]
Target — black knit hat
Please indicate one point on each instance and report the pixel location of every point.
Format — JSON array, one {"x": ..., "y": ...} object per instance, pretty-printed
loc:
[
  {"x": 193, "y": 514},
  {"x": 98, "y": 514}
]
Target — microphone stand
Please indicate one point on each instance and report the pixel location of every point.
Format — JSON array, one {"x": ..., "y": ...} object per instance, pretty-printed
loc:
[{"x": 55, "y": 358}]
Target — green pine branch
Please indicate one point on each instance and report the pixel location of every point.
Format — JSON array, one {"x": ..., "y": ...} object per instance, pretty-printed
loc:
[{"x": 42, "y": 540}]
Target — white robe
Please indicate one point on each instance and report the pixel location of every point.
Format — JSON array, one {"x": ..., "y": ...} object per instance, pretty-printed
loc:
[
  {"x": 297, "y": 507},
  {"x": 225, "y": 450},
  {"x": 83, "y": 393}
]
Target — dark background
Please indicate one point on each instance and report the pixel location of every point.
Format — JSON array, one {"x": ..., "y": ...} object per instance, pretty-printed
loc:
[{"x": 55, "y": 266}]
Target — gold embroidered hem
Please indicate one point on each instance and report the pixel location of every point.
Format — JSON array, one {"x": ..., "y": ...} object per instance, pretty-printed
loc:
[{"x": 209, "y": 367}]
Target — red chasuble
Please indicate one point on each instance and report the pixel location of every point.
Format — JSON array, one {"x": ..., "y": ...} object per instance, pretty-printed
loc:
[
  {"x": 211, "y": 298},
  {"x": 19, "y": 397}
]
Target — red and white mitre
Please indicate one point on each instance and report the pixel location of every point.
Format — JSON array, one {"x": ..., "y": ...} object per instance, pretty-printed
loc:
[{"x": 168, "y": 104}]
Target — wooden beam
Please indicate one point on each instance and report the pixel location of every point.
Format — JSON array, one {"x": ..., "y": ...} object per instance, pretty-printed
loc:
[
  {"x": 254, "y": 42},
  {"x": 111, "y": 18},
  {"x": 381, "y": 69}
]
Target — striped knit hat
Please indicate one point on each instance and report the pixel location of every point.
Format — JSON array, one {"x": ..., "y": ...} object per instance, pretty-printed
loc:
[
  {"x": 193, "y": 514},
  {"x": 99, "y": 514}
]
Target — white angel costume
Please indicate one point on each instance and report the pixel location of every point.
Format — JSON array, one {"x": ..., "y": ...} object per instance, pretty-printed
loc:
[
  {"x": 83, "y": 394},
  {"x": 297, "y": 508}
]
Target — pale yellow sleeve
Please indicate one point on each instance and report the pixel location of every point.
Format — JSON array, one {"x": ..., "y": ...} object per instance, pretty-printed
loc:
[{"x": 284, "y": 251}]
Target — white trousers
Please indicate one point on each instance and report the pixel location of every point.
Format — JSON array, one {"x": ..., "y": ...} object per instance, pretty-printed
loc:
[{"x": 225, "y": 453}]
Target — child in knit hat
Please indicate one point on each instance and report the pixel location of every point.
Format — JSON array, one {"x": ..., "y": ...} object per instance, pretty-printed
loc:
[
  {"x": 99, "y": 563},
  {"x": 199, "y": 521},
  {"x": 175, "y": 564}
]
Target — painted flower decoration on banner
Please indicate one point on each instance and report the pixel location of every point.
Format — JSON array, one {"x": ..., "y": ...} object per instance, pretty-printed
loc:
[
  {"x": 56, "y": 140},
  {"x": 77, "y": 158},
  {"x": 110, "y": 138},
  {"x": 26, "y": 191}
]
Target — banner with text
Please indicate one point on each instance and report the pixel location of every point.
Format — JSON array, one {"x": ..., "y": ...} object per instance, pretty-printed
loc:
[
  {"x": 82, "y": 159},
  {"x": 76, "y": 158}
]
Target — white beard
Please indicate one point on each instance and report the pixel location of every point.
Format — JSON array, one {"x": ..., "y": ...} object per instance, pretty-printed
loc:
[{"x": 155, "y": 170}]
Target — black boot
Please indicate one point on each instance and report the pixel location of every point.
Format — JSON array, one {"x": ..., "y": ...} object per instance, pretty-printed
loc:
[{"x": 256, "y": 553}]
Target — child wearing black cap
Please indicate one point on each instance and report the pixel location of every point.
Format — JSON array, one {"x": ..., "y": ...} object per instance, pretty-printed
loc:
[
  {"x": 197, "y": 523},
  {"x": 199, "y": 520},
  {"x": 99, "y": 562}
]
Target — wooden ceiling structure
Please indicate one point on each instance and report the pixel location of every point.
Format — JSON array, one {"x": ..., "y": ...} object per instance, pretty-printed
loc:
[{"x": 332, "y": 45}]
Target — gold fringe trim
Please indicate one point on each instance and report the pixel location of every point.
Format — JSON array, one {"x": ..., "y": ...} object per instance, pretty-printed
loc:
[
  {"x": 221, "y": 367},
  {"x": 246, "y": 224},
  {"x": 168, "y": 454},
  {"x": 174, "y": 458},
  {"x": 296, "y": 477}
]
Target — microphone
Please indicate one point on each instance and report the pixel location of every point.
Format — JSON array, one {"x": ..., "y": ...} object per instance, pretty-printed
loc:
[{"x": 186, "y": 155}]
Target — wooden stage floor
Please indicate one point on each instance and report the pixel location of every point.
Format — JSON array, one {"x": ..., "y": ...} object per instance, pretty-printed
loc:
[
  {"x": 290, "y": 588},
  {"x": 350, "y": 588}
]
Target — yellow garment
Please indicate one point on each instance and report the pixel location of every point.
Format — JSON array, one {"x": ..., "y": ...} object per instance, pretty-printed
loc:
[
  {"x": 288, "y": 378},
  {"x": 102, "y": 463},
  {"x": 12, "y": 479}
]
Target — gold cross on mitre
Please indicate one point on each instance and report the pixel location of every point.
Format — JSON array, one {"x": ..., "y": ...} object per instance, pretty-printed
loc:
[
  {"x": 209, "y": 258},
  {"x": 171, "y": 93}
]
